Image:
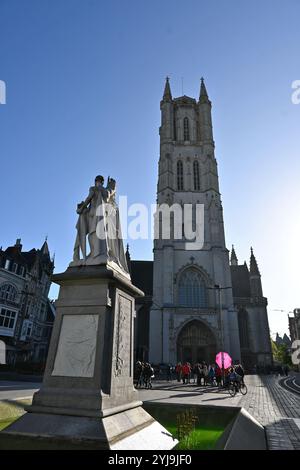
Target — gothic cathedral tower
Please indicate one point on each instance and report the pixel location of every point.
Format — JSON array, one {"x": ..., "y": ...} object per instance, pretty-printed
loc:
[{"x": 192, "y": 315}]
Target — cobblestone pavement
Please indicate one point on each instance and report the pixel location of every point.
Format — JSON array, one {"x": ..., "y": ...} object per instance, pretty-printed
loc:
[{"x": 274, "y": 407}]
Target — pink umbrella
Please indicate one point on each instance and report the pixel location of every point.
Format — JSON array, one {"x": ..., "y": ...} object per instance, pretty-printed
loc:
[{"x": 223, "y": 360}]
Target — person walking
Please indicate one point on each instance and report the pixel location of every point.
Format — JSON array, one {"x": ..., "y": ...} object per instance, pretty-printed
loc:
[
  {"x": 139, "y": 374},
  {"x": 178, "y": 371},
  {"x": 200, "y": 374},
  {"x": 169, "y": 373},
  {"x": 205, "y": 374},
  {"x": 218, "y": 373},
  {"x": 190, "y": 372},
  {"x": 148, "y": 374},
  {"x": 195, "y": 373},
  {"x": 186, "y": 370},
  {"x": 211, "y": 375}
]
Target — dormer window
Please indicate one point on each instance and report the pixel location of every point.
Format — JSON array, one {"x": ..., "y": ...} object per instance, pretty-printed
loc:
[
  {"x": 186, "y": 129},
  {"x": 14, "y": 268},
  {"x": 22, "y": 271}
]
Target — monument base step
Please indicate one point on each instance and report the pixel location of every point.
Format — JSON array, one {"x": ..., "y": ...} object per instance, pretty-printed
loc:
[{"x": 132, "y": 429}]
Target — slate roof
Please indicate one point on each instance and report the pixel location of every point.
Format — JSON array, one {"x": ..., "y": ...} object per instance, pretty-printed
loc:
[
  {"x": 142, "y": 275},
  {"x": 240, "y": 281},
  {"x": 26, "y": 258}
]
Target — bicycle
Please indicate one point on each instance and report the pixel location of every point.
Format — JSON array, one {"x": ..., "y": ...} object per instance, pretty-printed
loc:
[{"x": 237, "y": 386}]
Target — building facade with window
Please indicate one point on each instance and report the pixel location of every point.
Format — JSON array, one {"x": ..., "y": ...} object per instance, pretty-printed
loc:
[
  {"x": 294, "y": 325},
  {"x": 26, "y": 314},
  {"x": 198, "y": 302}
]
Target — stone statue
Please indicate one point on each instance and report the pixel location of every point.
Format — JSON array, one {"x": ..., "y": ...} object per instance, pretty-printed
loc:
[{"x": 99, "y": 222}]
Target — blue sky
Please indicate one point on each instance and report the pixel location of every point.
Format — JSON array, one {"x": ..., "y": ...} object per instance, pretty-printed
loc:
[{"x": 84, "y": 79}]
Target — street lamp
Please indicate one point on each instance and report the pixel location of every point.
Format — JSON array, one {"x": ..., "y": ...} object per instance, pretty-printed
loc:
[
  {"x": 162, "y": 329},
  {"x": 219, "y": 289}
]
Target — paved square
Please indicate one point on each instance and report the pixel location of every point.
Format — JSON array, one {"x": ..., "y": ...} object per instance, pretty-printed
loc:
[
  {"x": 274, "y": 407},
  {"x": 277, "y": 409}
]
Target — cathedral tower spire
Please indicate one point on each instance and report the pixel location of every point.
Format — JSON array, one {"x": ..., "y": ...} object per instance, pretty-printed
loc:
[{"x": 188, "y": 178}]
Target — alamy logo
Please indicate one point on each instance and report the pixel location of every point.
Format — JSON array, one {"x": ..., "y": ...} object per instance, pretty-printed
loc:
[
  {"x": 296, "y": 352},
  {"x": 171, "y": 222},
  {"x": 2, "y": 92},
  {"x": 296, "y": 94},
  {"x": 2, "y": 352}
]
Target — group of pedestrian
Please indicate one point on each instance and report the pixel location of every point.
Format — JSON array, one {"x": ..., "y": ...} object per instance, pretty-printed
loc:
[
  {"x": 144, "y": 374},
  {"x": 205, "y": 374},
  {"x": 200, "y": 373}
]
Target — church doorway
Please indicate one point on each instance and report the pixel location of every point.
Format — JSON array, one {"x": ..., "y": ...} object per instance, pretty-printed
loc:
[{"x": 196, "y": 343}]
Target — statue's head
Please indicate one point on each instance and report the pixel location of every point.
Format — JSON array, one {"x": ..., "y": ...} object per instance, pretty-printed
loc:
[{"x": 99, "y": 180}]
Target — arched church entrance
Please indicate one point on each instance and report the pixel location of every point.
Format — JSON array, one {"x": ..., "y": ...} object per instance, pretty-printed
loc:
[{"x": 196, "y": 343}]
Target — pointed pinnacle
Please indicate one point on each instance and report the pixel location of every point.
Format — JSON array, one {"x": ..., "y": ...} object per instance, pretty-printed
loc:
[
  {"x": 233, "y": 257},
  {"x": 253, "y": 264},
  {"x": 167, "y": 91},
  {"x": 203, "y": 97}
]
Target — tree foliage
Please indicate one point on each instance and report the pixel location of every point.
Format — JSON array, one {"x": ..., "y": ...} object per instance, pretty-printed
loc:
[{"x": 281, "y": 353}]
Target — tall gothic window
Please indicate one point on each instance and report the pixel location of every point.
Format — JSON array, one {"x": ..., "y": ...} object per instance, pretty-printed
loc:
[
  {"x": 179, "y": 175},
  {"x": 243, "y": 328},
  {"x": 192, "y": 290},
  {"x": 196, "y": 176},
  {"x": 186, "y": 129},
  {"x": 8, "y": 292}
]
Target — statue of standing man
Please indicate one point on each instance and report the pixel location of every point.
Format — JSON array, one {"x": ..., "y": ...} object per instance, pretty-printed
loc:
[{"x": 99, "y": 222}]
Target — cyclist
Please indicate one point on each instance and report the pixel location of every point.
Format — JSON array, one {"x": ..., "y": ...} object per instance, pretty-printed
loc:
[
  {"x": 148, "y": 375},
  {"x": 234, "y": 377},
  {"x": 240, "y": 371}
]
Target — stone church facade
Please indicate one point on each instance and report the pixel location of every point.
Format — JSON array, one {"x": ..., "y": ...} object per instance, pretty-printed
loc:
[{"x": 197, "y": 302}]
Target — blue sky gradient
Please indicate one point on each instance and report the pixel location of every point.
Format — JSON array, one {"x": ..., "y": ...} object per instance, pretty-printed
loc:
[{"x": 84, "y": 79}]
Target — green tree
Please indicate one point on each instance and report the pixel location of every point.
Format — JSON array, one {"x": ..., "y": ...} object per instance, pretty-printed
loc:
[{"x": 281, "y": 353}]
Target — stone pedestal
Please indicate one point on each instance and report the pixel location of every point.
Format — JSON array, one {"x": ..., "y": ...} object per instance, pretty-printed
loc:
[{"x": 87, "y": 399}]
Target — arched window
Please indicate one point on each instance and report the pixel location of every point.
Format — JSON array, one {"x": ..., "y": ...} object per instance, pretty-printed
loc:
[
  {"x": 179, "y": 175},
  {"x": 186, "y": 129},
  {"x": 243, "y": 328},
  {"x": 196, "y": 176},
  {"x": 8, "y": 292},
  {"x": 192, "y": 290}
]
